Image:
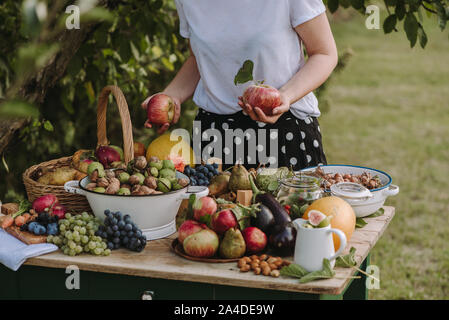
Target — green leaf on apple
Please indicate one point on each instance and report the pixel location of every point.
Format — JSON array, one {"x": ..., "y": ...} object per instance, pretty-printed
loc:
[
  {"x": 206, "y": 219},
  {"x": 192, "y": 200},
  {"x": 245, "y": 73},
  {"x": 243, "y": 214}
]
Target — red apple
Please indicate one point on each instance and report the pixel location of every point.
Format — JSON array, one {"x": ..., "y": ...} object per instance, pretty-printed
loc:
[
  {"x": 139, "y": 149},
  {"x": 45, "y": 203},
  {"x": 255, "y": 239},
  {"x": 204, "y": 206},
  {"x": 223, "y": 220},
  {"x": 262, "y": 96},
  {"x": 189, "y": 227},
  {"x": 107, "y": 155},
  {"x": 59, "y": 211},
  {"x": 202, "y": 244},
  {"x": 160, "y": 109}
]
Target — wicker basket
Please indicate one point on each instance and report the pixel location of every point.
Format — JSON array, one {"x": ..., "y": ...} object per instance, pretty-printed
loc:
[{"x": 74, "y": 203}]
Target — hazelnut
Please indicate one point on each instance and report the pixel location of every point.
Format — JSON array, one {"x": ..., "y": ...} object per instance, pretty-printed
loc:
[
  {"x": 257, "y": 271},
  {"x": 245, "y": 268},
  {"x": 275, "y": 273}
]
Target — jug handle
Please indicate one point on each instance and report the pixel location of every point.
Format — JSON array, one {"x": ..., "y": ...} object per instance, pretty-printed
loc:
[{"x": 342, "y": 237}]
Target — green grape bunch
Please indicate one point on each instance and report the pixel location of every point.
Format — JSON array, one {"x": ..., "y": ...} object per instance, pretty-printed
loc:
[{"x": 77, "y": 235}]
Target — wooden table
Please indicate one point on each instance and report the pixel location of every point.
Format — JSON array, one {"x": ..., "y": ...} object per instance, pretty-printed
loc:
[{"x": 126, "y": 274}]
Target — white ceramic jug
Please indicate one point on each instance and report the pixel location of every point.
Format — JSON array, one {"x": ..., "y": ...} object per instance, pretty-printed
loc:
[{"x": 315, "y": 244}]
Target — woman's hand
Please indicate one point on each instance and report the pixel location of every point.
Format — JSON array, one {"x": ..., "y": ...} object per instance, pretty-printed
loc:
[
  {"x": 164, "y": 126},
  {"x": 258, "y": 115}
]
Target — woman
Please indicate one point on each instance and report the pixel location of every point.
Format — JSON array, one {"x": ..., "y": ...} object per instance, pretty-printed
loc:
[{"x": 271, "y": 33}]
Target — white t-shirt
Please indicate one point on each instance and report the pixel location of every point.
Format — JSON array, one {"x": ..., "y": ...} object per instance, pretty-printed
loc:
[{"x": 225, "y": 33}]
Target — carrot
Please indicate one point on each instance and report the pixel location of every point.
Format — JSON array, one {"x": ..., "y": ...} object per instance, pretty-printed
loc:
[
  {"x": 19, "y": 221},
  {"x": 7, "y": 222}
]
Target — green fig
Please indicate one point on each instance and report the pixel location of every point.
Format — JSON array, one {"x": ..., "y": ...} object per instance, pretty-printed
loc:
[
  {"x": 167, "y": 173},
  {"x": 124, "y": 192},
  {"x": 99, "y": 190},
  {"x": 233, "y": 245},
  {"x": 96, "y": 166},
  {"x": 239, "y": 179},
  {"x": 154, "y": 172},
  {"x": 156, "y": 164},
  {"x": 123, "y": 177},
  {"x": 163, "y": 184},
  {"x": 168, "y": 164}
]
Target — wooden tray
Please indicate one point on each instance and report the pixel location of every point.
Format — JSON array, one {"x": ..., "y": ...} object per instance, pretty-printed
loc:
[{"x": 178, "y": 249}]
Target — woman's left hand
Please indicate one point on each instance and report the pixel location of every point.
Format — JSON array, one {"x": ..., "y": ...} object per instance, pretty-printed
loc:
[{"x": 258, "y": 115}]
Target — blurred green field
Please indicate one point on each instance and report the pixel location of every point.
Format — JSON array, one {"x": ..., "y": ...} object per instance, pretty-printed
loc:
[{"x": 390, "y": 110}]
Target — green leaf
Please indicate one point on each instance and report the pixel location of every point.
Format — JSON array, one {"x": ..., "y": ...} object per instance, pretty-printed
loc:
[
  {"x": 378, "y": 213},
  {"x": 293, "y": 270},
  {"x": 411, "y": 28},
  {"x": 360, "y": 223},
  {"x": 166, "y": 62},
  {"x": 206, "y": 219},
  {"x": 390, "y": 23},
  {"x": 325, "y": 273},
  {"x": 245, "y": 73},
  {"x": 273, "y": 186},
  {"x": 400, "y": 10},
  {"x": 48, "y": 126},
  {"x": 422, "y": 36},
  {"x": 192, "y": 200},
  {"x": 345, "y": 3},
  {"x": 332, "y": 5},
  {"x": 357, "y": 4},
  {"x": 243, "y": 214},
  {"x": 18, "y": 109},
  {"x": 346, "y": 261}
]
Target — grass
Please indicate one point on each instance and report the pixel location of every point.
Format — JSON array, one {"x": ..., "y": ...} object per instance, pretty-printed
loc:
[{"x": 390, "y": 110}]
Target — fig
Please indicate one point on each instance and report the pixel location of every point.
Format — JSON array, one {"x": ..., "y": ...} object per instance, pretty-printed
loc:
[
  {"x": 167, "y": 173},
  {"x": 316, "y": 217},
  {"x": 156, "y": 164},
  {"x": 96, "y": 166},
  {"x": 168, "y": 164},
  {"x": 154, "y": 172},
  {"x": 233, "y": 245},
  {"x": 239, "y": 179},
  {"x": 124, "y": 192},
  {"x": 282, "y": 239},
  {"x": 163, "y": 185},
  {"x": 99, "y": 190},
  {"x": 123, "y": 177}
]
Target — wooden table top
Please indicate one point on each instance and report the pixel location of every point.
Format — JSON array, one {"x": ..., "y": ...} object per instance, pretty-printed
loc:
[{"x": 159, "y": 261}]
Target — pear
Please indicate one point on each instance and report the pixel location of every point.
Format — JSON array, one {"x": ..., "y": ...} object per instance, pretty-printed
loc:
[
  {"x": 239, "y": 179},
  {"x": 233, "y": 245}
]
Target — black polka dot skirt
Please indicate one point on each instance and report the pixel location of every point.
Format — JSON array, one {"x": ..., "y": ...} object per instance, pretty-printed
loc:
[{"x": 236, "y": 137}]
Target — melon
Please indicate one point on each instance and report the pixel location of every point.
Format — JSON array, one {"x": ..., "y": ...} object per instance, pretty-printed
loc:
[
  {"x": 343, "y": 216},
  {"x": 164, "y": 148}
]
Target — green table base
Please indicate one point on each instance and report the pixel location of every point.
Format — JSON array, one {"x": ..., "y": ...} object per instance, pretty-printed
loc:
[{"x": 31, "y": 282}]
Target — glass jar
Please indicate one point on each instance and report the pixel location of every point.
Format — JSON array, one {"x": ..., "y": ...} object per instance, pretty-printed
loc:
[{"x": 299, "y": 191}]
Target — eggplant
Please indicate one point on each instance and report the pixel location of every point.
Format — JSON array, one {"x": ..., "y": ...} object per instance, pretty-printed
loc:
[
  {"x": 280, "y": 214},
  {"x": 264, "y": 219},
  {"x": 282, "y": 240}
]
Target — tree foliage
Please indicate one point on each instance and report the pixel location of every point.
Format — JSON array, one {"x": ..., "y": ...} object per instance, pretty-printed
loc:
[{"x": 133, "y": 44}]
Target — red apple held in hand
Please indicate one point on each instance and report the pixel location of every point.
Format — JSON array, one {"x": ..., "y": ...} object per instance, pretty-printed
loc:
[
  {"x": 262, "y": 96},
  {"x": 255, "y": 239},
  {"x": 188, "y": 228},
  {"x": 202, "y": 244},
  {"x": 223, "y": 220},
  {"x": 204, "y": 206},
  {"x": 160, "y": 109}
]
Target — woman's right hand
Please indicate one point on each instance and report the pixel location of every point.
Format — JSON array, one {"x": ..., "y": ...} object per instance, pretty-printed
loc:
[{"x": 164, "y": 126}]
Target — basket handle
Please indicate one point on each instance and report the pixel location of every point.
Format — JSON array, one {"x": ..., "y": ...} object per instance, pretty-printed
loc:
[{"x": 128, "y": 143}]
